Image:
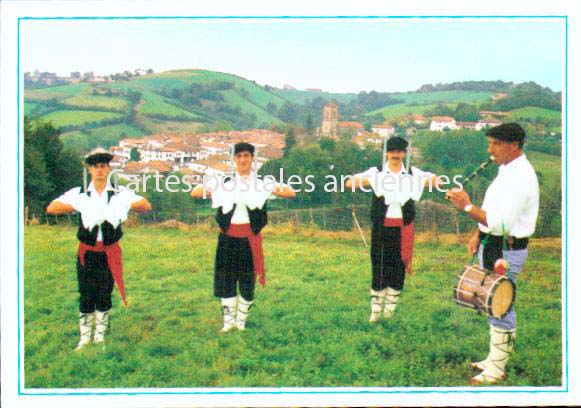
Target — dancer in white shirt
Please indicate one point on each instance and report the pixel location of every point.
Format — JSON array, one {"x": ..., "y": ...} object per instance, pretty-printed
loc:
[
  {"x": 506, "y": 220},
  {"x": 392, "y": 218},
  {"x": 99, "y": 264},
  {"x": 241, "y": 215}
]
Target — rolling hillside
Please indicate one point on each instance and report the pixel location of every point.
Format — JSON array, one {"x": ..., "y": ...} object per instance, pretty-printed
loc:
[{"x": 194, "y": 100}]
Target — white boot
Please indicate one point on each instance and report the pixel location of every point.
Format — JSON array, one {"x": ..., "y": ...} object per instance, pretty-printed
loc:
[
  {"x": 85, "y": 327},
  {"x": 390, "y": 302},
  {"x": 242, "y": 313},
  {"x": 377, "y": 298},
  {"x": 229, "y": 312},
  {"x": 481, "y": 365},
  {"x": 101, "y": 324},
  {"x": 501, "y": 345}
]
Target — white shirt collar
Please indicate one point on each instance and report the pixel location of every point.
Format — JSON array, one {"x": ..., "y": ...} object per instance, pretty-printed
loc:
[
  {"x": 401, "y": 170},
  {"x": 515, "y": 163},
  {"x": 92, "y": 188}
]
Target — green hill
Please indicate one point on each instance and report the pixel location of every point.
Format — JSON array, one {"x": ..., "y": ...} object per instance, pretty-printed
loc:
[
  {"x": 172, "y": 101},
  {"x": 185, "y": 101}
]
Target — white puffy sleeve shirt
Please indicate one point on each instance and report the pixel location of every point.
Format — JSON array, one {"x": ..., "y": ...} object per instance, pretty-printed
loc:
[
  {"x": 511, "y": 202},
  {"x": 396, "y": 187},
  {"x": 95, "y": 209},
  {"x": 246, "y": 192}
]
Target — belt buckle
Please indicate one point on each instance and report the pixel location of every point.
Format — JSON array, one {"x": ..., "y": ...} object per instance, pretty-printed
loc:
[{"x": 510, "y": 242}]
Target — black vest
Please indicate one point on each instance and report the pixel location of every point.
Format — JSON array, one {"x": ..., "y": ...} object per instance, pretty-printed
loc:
[
  {"x": 379, "y": 209},
  {"x": 110, "y": 234},
  {"x": 258, "y": 218}
]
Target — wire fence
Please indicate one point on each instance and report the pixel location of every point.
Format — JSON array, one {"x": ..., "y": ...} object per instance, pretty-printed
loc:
[{"x": 431, "y": 216}]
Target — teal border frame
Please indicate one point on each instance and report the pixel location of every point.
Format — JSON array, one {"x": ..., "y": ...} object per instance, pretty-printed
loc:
[{"x": 427, "y": 390}]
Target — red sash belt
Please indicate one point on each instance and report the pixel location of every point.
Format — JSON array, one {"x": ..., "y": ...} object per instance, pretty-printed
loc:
[
  {"x": 244, "y": 231},
  {"x": 113, "y": 253},
  {"x": 407, "y": 240}
]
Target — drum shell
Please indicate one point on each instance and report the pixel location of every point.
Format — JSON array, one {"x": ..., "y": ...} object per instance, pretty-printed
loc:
[{"x": 477, "y": 287}]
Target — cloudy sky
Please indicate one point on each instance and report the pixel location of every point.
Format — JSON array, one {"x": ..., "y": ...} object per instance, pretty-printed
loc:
[{"x": 341, "y": 55}]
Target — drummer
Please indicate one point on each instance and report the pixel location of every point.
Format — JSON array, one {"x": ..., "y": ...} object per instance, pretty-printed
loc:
[{"x": 506, "y": 220}]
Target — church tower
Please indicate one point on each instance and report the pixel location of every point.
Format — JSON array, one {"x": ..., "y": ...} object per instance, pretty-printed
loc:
[{"x": 330, "y": 119}]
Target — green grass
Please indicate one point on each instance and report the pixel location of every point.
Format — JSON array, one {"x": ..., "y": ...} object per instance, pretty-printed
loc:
[
  {"x": 548, "y": 165},
  {"x": 300, "y": 97},
  {"x": 97, "y": 101},
  {"x": 393, "y": 111},
  {"x": 78, "y": 117},
  {"x": 57, "y": 92},
  {"x": 154, "y": 104},
  {"x": 534, "y": 113},
  {"x": 29, "y": 107},
  {"x": 444, "y": 96},
  {"x": 308, "y": 327},
  {"x": 233, "y": 98}
]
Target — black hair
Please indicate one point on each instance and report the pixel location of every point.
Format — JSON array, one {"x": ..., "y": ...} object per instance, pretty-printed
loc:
[{"x": 508, "y": 132}]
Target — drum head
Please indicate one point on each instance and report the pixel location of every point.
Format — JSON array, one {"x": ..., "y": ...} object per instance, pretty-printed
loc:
[{"x": 503, "y": 298}]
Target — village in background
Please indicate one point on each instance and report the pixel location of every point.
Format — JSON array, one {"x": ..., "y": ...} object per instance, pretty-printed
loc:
[
  {"x": 185, "y": 122},
  {"x": 209, "y": 153}
]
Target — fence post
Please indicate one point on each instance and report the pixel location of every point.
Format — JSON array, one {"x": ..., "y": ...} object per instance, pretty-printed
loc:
[{"x": 456, "y": 224}]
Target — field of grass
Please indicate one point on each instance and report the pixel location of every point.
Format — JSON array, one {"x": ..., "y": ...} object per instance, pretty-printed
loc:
[
  {"x": 78, "y": 117},
  {"x": 57, "y": 92},
  {"x": 29, "y": 107},
  {"x": 183, "y": 78},
  {"x": 534, "y": 113},
  {"x": 300, "y": 97},
  {"x": 155, "y": 126},
  {"x": 233, "y": 98},
  {"x": 154, "y": 104},
  {"x": 97, "y": 101},
  {"x": 444, "y": 96},
  {"x": 393, "y": 111},
  {"x": 308, "y": 328},
  {"x": 546, "y": 164}
]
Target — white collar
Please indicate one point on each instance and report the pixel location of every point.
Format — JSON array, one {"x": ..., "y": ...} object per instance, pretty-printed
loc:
[
  {"x": 92, "y": 188},
  {"x": 513, "y": 164},
  {"x": 401, "y": 170}
]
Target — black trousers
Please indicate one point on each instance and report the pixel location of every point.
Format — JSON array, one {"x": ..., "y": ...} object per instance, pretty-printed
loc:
[
  {"x": 387, "y": 267},
  {"x": 95, "y": 283},
  {"x": 234, "y": 268}
]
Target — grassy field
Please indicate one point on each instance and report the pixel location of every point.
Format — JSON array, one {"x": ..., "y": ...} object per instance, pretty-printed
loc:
[
  {"x": 308, "y": 328},
  {"x": 57, "y": 92},
  {"x": 401, "y": 109},
  {"x": 78, "y": 117},
  {"x": 534, "y": 113},
  {"x": 154, "y": 104},
  {"x": 444, "y": 96},
  {"x": 97, "y": 101},
  {"x": 300, "y": 97},
  {"x": 154, "y": 126}
]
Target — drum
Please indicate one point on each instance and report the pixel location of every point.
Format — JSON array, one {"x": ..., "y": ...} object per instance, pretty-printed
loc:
[{"x": 484, "y": 291}]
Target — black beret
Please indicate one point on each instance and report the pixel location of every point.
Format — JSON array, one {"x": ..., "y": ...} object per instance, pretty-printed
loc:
[
  {"x": 243, "y": 147},
  {"x": 396, "y": 143},
  {"x": 98, "y": 155},
  {"x": 508, "y": 132}
]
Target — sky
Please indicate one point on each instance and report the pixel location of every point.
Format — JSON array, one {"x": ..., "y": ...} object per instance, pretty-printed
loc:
[{"x": 336, "y": 55}]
